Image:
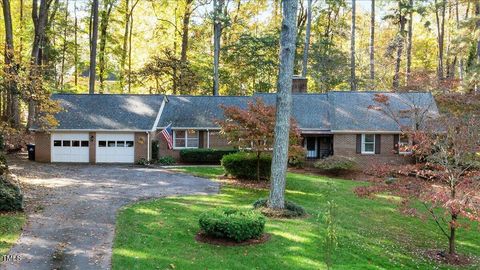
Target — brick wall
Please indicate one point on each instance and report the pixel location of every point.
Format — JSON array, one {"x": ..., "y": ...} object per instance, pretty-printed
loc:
[
  {"x": 216, "y": 142},
  {"x": 163, "y": 146},
  {"x": 42, "y": 147},
  {"x": 345, "y": 145},
  {"x": 141, "y": 146}
]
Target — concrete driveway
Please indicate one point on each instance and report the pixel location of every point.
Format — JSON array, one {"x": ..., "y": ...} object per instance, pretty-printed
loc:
[{"x": 72, "y": 209}]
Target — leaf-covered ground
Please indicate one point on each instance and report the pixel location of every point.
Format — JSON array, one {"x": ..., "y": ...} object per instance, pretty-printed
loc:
[
  {"x": 10, "y": 228},
  {"x": 372, "y": 234}
]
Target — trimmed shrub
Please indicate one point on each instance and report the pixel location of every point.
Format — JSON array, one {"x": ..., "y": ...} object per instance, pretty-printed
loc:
[
  {"x": 204, "y": 155},
  {"x": 234, "y": 224},
  {"x": 166, "y": 160},
  {"x": 11, "y": 198},
  {"x": 243, "y": 165},
  {"x": 336, "y": 164},
  {"x": 291, "y": 209},
  {"x": 143, "y": 162},
  {"x": 297, "y": 161}
]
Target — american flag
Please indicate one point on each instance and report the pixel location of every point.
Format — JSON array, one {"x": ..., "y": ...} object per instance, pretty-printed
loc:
[{"x": 167, "y": 134}]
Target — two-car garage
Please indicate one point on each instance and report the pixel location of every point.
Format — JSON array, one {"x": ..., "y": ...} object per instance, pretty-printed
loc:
[{"x": 107, "y": 147}]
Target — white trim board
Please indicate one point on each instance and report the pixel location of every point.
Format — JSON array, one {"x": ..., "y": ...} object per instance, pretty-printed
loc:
[{"x": 159, "y": 114}]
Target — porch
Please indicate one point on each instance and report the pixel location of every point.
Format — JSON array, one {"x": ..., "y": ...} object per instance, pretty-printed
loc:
[{"x": 318, "y": 146}]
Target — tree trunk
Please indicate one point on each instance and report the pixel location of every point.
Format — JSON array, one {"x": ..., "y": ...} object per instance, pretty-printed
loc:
[
  {"x": 353, "y": 77},
  {"x": 22, "y": 25},
  {"x": 76, "y": 47},
  {"x": 307, "y": 39},
  {"x": 39, "y": 18},
  {"x": 217, "y": 33},
  {"x": 105, "y": 18},
  {"x": 477, "y": 13},
  {"x": 284, "y": 104},
  {"x": 64, "y": 47},
  {"x": 93, "y": 48},
  {"x": 460, "y": 62},
  {"x": 440, "y": 21},
  {"x": 10, "y": 68},
  {"x": 185, "y": 28},
  {"x": 452, "y": 238},
  {"x": 130, "y": 48},
  {"x": 123, "y": 57},
  {"x": 372, "y": 46},
  {"x": 400, "y": 41},
  {"x": 409, "y": 43}
]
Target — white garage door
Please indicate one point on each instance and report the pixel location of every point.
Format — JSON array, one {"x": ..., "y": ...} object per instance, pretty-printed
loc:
[
  {"x": 115, "y": 148},
  {"x": 70, "y": 147}
]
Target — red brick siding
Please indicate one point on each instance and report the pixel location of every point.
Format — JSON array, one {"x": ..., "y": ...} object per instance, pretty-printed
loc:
[
  {"x": 141, "y": 146},
  {"x": 345, "y": 145},
  {"x": 216, "y": 142},
  {"x": 42, "y": 147}
]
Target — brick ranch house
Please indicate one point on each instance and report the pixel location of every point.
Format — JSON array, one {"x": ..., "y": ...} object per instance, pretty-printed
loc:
[{"x": 121, "y": 128}]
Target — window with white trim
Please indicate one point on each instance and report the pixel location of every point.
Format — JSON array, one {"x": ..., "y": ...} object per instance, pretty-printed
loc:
[
  {"x": 368, "y": 143},
  {"x": 185, "y": 138}
]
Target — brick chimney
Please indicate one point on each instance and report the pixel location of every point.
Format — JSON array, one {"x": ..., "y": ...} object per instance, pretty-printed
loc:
[{"x": 299, "y": 84}]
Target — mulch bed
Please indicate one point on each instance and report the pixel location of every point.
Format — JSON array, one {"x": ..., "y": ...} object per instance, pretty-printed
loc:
[
  {"x": 203, "y": 238},
  {"x": 445, "y": 258},
  {"x": 242, "y": 183}
]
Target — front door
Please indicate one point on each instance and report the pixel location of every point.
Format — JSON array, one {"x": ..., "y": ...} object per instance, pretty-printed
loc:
[{"x": 311, "y": 145}]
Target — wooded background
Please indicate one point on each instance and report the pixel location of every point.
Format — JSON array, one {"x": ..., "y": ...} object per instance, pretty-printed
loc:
[{"x": 229, "y": 47}]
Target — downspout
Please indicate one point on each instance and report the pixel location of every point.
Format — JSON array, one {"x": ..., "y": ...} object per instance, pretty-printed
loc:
[{"x": 148, "y": 146}]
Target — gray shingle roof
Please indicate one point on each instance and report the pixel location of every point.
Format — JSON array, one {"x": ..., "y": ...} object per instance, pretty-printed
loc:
[
  {"x": 311, "y": 111},
  {"x": 107, "y": 112},
  {"x": 350, "y": 110},
  {"x": 335, "y": 111},
  {"x": 197, "y": 111}
]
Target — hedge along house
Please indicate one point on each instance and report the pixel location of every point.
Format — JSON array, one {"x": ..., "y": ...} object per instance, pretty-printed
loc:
[
  {"x": 121, "y": 128},
  {"x": 100, "y": 129}
]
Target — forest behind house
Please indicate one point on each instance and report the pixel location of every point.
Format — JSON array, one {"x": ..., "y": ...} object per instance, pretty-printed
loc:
[{"x": 230, "y": 47}]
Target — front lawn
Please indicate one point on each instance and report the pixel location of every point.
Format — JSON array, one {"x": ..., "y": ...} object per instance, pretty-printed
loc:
[
  {"x": 159, "y": 234},
  {"x": 10, "y": 228}
]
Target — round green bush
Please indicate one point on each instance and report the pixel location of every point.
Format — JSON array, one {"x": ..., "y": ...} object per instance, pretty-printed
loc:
[
  {"x": 291, "y": 209},
  {"x": 243, "y": 165},
  {"x": 232, "y": 224},
  {"x": 336, "y": 164},
  {"x": 165, "y": 160}
]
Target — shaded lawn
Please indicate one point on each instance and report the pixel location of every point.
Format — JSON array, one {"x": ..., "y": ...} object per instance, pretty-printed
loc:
[
  {"x": 159, "y": 234},
  {"x": 10, "y": 229}
]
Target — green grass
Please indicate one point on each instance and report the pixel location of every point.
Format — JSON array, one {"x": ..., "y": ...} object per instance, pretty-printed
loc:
[
  {"x": 372, "y": 234},
  {"x": 10, "y": 228},
  {"x": 206, "y": 172}
]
